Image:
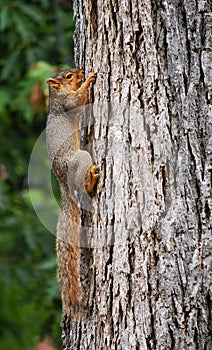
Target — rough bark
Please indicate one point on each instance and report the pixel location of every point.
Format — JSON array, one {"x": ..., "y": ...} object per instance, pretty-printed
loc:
[{"x": 146, "y": 273}]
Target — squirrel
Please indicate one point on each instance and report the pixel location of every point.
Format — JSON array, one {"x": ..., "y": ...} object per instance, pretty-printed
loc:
[{"x": 73, "y": 169}]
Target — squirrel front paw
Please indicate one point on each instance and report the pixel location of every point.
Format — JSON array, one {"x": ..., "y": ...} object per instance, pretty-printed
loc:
[
  {"x": 91, "y": 78},
  {"x": 91, "y": 178}
]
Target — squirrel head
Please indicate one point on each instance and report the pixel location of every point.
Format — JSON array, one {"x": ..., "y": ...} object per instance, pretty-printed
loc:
[{"x": 66, "y": 81}]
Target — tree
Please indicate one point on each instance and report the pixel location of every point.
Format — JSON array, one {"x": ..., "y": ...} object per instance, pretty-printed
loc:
[{"x": 145, "y": 270}]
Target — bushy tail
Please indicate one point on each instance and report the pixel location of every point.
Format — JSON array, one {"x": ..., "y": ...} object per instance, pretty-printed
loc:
[
  {"x": 68, "y": 275},
  {"x": 68, "y": 253}
]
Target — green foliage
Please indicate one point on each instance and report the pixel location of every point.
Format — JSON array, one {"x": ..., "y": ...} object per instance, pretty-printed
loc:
[{"x": 35, "y": 37}]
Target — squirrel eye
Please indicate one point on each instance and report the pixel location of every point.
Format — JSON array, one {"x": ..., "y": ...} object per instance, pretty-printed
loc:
[{"x": 68, "y": 76}]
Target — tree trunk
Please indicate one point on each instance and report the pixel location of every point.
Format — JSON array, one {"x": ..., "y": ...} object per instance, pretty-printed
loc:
[{"x": 145, "y": 258}]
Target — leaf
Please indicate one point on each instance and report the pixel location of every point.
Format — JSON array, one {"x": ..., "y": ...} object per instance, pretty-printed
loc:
[
  {"x": 5, "y": 98},
  {"x": 33, "y": 12},
  {"x": 52, "y": 289},
  {"x": 4, "y": 18},
  {"x": 48, "y": 264},
  {"x": 21, "y": 26},
  {"x": 11, "y": 62}
]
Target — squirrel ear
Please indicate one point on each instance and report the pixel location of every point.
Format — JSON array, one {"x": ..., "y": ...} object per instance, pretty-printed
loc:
[{"x": 54, "y": 83}]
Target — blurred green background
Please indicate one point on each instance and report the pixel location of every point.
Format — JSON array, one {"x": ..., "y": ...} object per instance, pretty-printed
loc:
[{"x": 36, "y": 36}]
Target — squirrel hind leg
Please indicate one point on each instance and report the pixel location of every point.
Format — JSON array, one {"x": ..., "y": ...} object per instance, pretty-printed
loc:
[{"x": 91, "y": 178}]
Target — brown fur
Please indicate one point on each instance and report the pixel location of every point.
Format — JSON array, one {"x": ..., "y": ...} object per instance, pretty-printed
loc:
[{"x": 74, "y": 169}]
